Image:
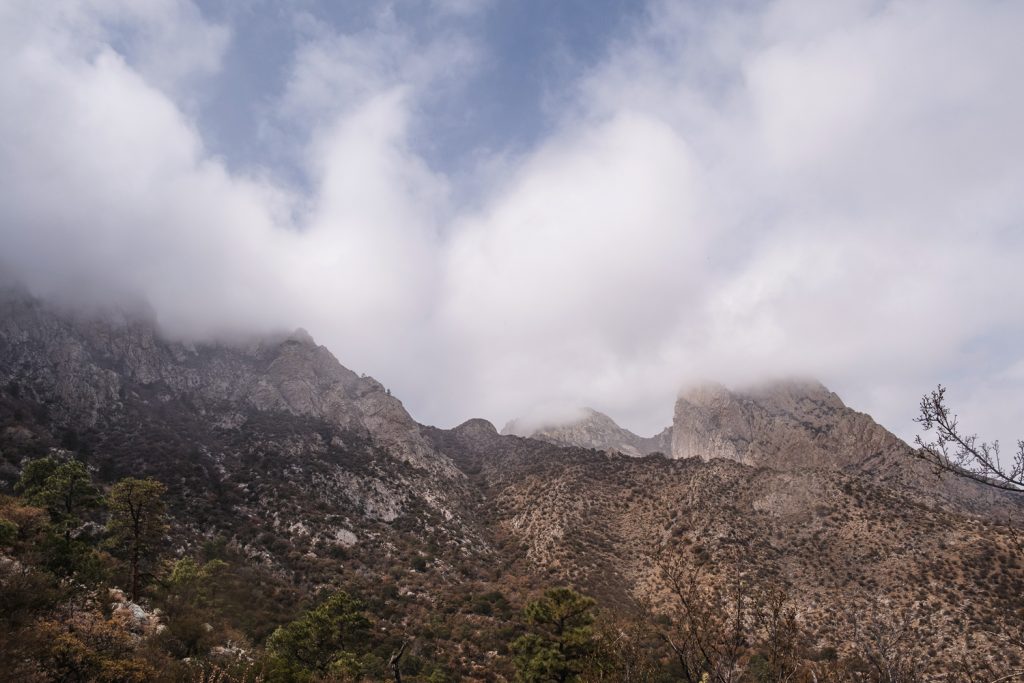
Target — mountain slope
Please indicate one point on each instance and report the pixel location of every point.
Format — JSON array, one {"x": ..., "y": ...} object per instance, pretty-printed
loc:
[
  {"x": 90, "y": 369},
  {"x": 845, "y": 548},
  {"x": 274, "y": 436}
]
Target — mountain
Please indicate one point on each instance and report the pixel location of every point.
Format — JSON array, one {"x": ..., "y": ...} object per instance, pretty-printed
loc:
[
  {"x": 317, "y": 477},
  {"x": 271, "y": 444},
  {"x": 91, "y": 371},
  {"x": 593, "y": 430},
  {"x": 785, "y": 424}
]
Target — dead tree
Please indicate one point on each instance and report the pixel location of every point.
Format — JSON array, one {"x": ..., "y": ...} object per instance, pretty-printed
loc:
[
  {"x": 395, "y": 661},
  {"x": 957, "y": 452}
]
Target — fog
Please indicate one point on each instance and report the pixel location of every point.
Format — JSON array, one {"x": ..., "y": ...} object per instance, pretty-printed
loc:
[{"x": 738, "y": 193}]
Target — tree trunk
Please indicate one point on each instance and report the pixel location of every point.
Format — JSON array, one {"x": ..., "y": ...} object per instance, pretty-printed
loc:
[
  {"x": 135, "y": 573},
  {"x": 396, "y": 658}
]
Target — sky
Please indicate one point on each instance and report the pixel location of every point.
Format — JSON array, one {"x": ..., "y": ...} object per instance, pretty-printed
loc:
[{"x": 509, "y": 208}]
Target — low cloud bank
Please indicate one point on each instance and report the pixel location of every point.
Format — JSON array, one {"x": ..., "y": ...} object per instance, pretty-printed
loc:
[{"x": 828, "y": 190}]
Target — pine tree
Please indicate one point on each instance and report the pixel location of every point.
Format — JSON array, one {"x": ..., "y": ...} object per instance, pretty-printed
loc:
[
  {"x": 137, "y": 524},
  {"x": 323, "y": 639},
  {"x": 560, "y": 640},
  {"x": 64, "y": 489}
]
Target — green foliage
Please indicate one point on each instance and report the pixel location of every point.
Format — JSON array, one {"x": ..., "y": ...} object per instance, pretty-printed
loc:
[
  {"x": 323, "y": 640},
  {"x": 190, "y": 582},
  {"x": 190, "y": 599},
  {"x": 8, "y": 533},
  {"x": 560, "y": 640},
  {"x": 137, "y": 524},
  {"x": 64, "y": 489},
  {"x": 34, "y": 474},
  {"x": 67, "y": 557}
]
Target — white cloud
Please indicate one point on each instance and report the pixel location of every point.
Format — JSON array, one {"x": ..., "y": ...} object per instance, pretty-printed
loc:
[
  {"x": 847, "y": 195},
  {"x": 798, "y": 188}
]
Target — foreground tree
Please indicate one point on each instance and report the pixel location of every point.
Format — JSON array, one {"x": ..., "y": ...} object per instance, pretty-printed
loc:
[
  {"x": 711, "y": 621},
  {"x": 65, "y": 491},
  {"x": 138, "y": 521},
  {"x": 323, "y": 640},
  {"x": 86, "y": 646},
  {"x": 957, "y": 452},
  {"x": 561, "y": 637}
]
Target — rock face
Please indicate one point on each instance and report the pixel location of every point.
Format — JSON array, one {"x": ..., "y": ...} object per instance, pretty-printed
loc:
[
  {"x": 594, "y": 430},
  {"x": 135, "y": 618},
  {"x": 785, "y": 425},
  {"x": 89, "y": 368}
]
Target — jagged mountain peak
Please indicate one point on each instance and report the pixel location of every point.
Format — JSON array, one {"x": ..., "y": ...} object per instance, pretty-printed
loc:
[
  {"x": 590, "y": 428},
  {"x": 301, "y": 336},
  {"x": 783, "y": 424}
]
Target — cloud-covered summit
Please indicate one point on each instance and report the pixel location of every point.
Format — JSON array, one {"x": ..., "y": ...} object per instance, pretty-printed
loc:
[{"x": 688, "y": 192}]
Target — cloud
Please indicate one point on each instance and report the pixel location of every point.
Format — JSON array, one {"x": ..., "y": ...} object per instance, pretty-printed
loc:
[
  {"x": 108, "y": 194},
  {"x": 734, "y": 192},
  {"x": 168, "y": 42}
]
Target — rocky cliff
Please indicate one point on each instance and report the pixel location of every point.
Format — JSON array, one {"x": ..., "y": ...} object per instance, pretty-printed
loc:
[
  {"x": 272, "y": 443},
  {"x": 785, "y": 425}
]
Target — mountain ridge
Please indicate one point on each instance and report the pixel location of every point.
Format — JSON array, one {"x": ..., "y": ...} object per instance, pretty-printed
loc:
[
  {"x": 323, "y": 478},
  {"x": 785, "y": 423}
]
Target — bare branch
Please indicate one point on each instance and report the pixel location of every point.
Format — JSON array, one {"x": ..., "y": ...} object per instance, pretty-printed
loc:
[{"x": 954, "y": 451}]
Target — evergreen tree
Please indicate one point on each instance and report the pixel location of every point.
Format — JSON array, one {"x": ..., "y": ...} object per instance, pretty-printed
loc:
[
  {"x": 322, "y": 640},
  {"x": 560, "y": 640},
  {"x": 137, "y": 524},
  {"x": 64, "y": 489}
]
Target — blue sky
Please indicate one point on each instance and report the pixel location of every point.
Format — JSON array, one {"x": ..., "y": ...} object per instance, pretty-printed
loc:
[
  {"x": 526, "y": 54},
  {"x": 503, "y": 209}
]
